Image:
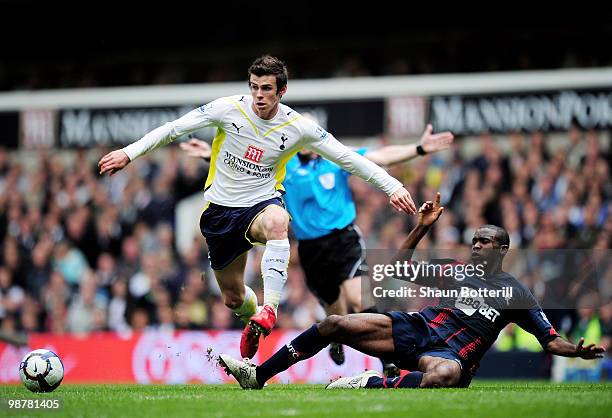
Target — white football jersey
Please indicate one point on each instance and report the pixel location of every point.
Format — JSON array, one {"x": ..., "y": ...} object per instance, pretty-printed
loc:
[{"x": 250, "y": 154}]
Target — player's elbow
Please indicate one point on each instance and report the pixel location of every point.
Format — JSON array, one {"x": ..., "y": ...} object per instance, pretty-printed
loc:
[{"x": 348, "y": 160}]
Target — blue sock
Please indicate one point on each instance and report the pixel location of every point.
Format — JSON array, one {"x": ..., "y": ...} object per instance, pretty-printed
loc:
[
  {"x": 304, "y": 346},
  {"x": 410, "y": 380}
]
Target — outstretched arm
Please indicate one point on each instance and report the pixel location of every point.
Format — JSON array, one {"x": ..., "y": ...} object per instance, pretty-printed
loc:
[
  {"x": 196, "y": 119},
  {"x": 429, "y": 212},
  {"x": 564, "y": 348},
  {"x": 331, "y": 149},
  {"x": 197, "y": 148},
  {"x": 394, "y": 154},
  {"x": 118, "y": 159},
  {"x": 534, "y": 321}
]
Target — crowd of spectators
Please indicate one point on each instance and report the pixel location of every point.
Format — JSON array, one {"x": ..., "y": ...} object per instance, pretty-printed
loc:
[{"x": 82, "y": 253}]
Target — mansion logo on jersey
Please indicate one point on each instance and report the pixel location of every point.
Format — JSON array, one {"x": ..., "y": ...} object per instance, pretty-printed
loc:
[
  {"x": 253, "y": 153},
  {"x": 247, "y": 167}
]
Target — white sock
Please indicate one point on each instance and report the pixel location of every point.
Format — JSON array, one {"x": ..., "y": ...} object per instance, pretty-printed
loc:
[
  {"x": 274, "y": 270},
  {"x": 248, "y": 307}
]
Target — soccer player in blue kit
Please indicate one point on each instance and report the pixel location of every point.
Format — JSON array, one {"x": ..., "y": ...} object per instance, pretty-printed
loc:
[
  {"x": 320, "y": 202},
  {"x": 441, "y": 345}
]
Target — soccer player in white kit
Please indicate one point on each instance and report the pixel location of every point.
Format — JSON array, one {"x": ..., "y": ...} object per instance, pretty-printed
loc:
[{"x": 256, "y": 137}]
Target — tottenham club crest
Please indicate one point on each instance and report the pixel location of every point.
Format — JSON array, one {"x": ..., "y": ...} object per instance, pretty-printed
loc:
[{"x": 283, "y": 138}]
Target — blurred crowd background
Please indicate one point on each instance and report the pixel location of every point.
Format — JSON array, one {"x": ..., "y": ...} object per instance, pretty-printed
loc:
[{"x": 83, "y": 253}]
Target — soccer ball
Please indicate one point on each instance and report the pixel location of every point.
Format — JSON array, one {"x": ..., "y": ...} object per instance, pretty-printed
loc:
[{"x": 41, "y": 371}]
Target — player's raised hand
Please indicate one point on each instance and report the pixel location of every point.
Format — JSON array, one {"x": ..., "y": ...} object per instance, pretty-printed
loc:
[
  {"x": 113, "y": 162},
  {"x": 429, "y": 212},
  {"x": 589, "y": 352},
  {"x": 197, "y": 148},
  {"x": 402, "y": 201},
  {"x": 435, "y": 142}
]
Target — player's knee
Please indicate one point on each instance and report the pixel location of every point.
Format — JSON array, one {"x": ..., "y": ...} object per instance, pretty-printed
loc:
[
  {"x": 331, "y": 326},
  {"x": 276, "y": 223},
  {"x": 443, "y": 376}
]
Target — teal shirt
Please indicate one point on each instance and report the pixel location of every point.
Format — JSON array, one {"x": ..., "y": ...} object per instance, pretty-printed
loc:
[{"x": 318, "y": 197}]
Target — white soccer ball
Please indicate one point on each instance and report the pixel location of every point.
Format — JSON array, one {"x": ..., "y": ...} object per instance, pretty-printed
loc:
[{"x": 41, "y": 370}]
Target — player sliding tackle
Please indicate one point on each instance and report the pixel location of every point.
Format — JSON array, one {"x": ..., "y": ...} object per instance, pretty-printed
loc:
[
  {"x": 322, "y": 210},
  {"x": 256, "y": 137},
  {"x": 440, "y": 345}
]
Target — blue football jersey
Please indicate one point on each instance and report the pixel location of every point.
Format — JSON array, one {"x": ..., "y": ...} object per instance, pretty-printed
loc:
[{"x": 318, "y": 197}]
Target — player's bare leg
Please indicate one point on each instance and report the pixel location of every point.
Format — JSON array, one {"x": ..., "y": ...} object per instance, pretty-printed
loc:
[
  {"x": 270, "y": 227},
  {"x": 239, "y": 298},
  {"x": 368, "y": 333},
  {"x": 356, "y": 292},
  {"x": 336, "y": 350},
  {"x": 352, "y": 294}
]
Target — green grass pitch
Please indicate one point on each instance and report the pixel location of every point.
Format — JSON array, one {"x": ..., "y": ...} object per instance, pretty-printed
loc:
[{"x": 483, "y": 399}]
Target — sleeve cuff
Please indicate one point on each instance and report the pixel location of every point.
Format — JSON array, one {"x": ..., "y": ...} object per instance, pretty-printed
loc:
[{"x": 395, "y": 187}]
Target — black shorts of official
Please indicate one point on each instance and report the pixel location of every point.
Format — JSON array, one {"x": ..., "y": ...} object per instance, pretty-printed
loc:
[
  {"x": 330, "y": 260},
  {"x": 225, "y": 229},
  {"x": 413, "y": 339}
]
